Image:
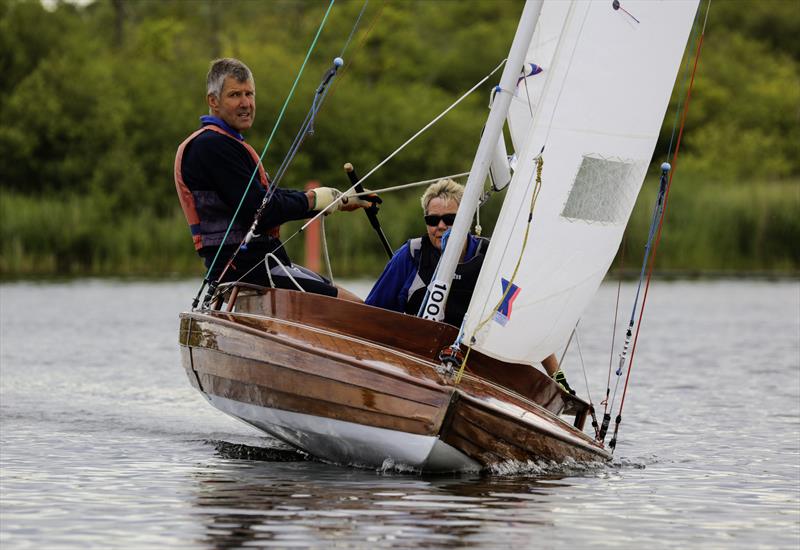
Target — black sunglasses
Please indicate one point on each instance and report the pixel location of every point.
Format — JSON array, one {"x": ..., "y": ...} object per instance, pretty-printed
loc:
[{"x": 433, "y": 220}]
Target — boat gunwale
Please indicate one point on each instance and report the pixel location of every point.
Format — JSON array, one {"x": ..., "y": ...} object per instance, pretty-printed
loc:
[{"x": 218, "y": 317}]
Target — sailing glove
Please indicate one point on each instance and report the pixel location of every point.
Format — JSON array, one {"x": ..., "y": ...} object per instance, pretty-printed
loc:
[
  {"x": 325, "y": 196},
  {"x": 351, "y": 202}
]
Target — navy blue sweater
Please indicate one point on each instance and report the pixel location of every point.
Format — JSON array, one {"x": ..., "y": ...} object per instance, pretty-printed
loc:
[{"x": 212, "y": 161}]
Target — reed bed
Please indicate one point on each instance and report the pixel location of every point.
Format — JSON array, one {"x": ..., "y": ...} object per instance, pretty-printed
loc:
[
  {"x": 731, "y": 228},
  {"x": 722, "y": 227}
]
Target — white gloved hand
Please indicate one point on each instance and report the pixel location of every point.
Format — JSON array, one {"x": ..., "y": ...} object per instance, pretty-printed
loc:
[
  {"x": 350, "y": 203},
  {"x": 324, "y": 197}
]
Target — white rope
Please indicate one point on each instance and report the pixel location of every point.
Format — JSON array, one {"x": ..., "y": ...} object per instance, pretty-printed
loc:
[
  {"x": 325, "y": 251},
  {"x": 408, "y": 185},
  {"x": 286, "y": 271},
  {"x": 403, "y": 146},
  {"x": 349, "y": 191},
  {"x": 583, "y": 365}
]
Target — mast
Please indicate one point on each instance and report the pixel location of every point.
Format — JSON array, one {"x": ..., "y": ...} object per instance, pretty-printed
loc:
[{"x": 436, "y": 299}]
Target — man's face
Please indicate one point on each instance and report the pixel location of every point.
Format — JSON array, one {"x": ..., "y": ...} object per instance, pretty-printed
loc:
[
  {"x": 439, "y": 207},
  {"x": 236, "y": 104}
]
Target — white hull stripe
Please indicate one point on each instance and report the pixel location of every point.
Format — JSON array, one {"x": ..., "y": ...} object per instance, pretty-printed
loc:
[{"x": 347, "y": 442}]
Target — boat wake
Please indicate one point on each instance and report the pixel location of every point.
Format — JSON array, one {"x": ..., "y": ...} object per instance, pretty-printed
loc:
[
  {"x": 546, "y": 468},
  {"x": 270, "y": 450},
  {"x": 276, "y": 452},
  {"x": 568, "y": 468}
]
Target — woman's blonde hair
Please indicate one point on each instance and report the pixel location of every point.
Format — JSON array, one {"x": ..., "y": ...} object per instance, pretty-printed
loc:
[{"x": 445, "y": 189}]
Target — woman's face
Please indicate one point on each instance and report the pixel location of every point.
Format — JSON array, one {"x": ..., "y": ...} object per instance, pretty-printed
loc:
[{"x": 439, "y": 207}]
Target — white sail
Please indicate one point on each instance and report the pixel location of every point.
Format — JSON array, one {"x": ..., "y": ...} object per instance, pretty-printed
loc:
[{"x": 594, "y": 112}]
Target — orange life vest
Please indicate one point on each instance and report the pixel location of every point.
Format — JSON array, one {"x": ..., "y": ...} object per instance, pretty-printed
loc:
[{"x": 206, "y": 231}]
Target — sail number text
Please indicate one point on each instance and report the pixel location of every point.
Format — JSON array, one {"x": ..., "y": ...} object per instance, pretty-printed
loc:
[{"x": 435, "y": 306}]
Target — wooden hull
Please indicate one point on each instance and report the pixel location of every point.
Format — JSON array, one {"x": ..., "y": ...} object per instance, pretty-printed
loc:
[{"x": 369, "y": 392}]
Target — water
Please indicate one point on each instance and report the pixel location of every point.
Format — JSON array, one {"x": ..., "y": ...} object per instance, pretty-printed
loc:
[{"x": 103, "y": 443}]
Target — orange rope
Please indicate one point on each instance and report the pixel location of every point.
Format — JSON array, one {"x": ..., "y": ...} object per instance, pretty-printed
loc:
[{"x": 663, "y": 215}]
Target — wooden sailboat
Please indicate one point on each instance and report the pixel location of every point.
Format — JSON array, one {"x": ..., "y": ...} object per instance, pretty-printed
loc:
[{"x": 357, "y": 385}]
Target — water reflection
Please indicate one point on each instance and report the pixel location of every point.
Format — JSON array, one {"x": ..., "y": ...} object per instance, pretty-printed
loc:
[
  {"x": 104, "y": 444},
  {"x": 300, "y": 503}
]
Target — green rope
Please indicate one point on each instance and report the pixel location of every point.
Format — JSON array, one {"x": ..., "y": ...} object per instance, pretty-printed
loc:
[{"x": 274, "y": 130}]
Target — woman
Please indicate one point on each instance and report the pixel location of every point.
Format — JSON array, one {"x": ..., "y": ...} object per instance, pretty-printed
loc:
[{"x": 402, "y": 285}]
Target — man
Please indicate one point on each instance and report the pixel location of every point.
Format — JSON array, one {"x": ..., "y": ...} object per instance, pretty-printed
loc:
[
  {"x": 213, "y": 167},
  {"x": 402, "y": 285}
]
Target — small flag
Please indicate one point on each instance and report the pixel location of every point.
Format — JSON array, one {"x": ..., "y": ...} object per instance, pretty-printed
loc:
[
  {"x": 529, "y": 69},
  {"x": 503, "y": 313}
]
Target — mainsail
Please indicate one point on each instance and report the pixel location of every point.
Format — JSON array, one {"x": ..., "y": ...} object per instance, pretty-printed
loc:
[{"x": 600, "y": 80}]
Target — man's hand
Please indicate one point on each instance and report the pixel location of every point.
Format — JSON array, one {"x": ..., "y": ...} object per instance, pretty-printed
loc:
[
  {"x": 350, "y": 202},
  {"x": 323, "y": 197}
]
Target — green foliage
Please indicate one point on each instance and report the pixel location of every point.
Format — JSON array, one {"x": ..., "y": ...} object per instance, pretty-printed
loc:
[
  {"x": 744, "y": 118},
  {"x": 97, "y": 97},
  {"x": 80, "y": 236}
]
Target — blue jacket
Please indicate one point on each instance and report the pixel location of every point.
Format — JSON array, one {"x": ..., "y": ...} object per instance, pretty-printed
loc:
[{"x": 391, "y": 288}]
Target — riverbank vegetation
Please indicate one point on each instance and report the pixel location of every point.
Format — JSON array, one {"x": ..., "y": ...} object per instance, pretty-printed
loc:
[{"x": 96, "y": 99}]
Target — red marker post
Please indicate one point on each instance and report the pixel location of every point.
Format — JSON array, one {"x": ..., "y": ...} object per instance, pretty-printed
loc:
[{"x": 312, "y": 243}]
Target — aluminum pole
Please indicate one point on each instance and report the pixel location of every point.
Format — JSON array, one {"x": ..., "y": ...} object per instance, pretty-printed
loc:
[{"x": 438, "y": 290}]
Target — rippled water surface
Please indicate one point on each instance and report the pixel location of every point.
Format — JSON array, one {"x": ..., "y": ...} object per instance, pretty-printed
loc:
[{"x": 103, "y": 443}]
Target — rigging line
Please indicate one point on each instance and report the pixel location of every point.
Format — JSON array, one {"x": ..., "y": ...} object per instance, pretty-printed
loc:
[
  {"x": 325, "y": 250},
  {"x": 293, "y": 148},
  {"x": 408, "y": 185},
  {"x": 571, "y": 335},
  {"x": 348, "y": 192},
  {"x": 683, "y": 86},
  {"x": 583, "y": 364},
  {"x": 586, "y": 381},
  {"x": 396, "y": 151},
  {"x": 623, "y": 356},
  {"x": 412, "y": 138},
  {"x": 358, "y": 49},
  {"x": 528, "y": 96},
  {"x": 661, "y": 221},
  {"x": 274, "y": 130},
  {"x": 307, "y": 127},
  {"x": 353, "y": 30},
  {"x": 614, "y": 328},
  {"x": 537, "y": 187},
  {"x": 658, "y": 209},
  {"x": 478, "y": 228}
]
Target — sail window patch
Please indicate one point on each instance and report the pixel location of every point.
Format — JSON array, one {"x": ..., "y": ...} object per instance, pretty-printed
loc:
[{"x": 604, "y": 190}]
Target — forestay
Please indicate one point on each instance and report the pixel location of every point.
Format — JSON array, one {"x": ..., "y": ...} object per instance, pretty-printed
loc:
[{"x": 594, "y": 112}]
